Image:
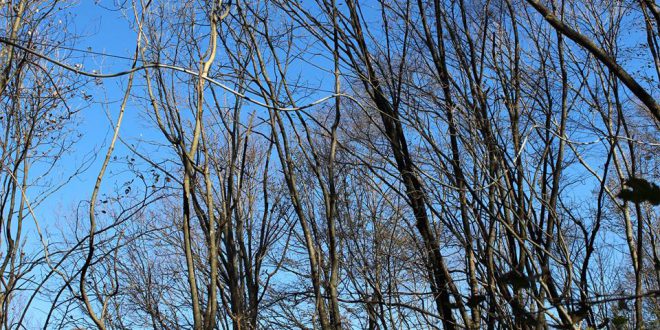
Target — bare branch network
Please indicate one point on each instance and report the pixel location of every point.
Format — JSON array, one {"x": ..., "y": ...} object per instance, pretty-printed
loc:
[{"x": 330, "y": 164}]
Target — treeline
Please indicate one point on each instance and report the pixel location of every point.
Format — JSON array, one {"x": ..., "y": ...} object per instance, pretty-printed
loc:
[{"x": 336, "y": 164}]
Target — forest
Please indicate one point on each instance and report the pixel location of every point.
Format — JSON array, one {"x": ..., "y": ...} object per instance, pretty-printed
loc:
[{"x": 329, "y": 164}]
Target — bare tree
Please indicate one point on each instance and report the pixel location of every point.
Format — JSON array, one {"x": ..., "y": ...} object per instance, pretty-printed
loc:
[{"x": 351, "y": 164}]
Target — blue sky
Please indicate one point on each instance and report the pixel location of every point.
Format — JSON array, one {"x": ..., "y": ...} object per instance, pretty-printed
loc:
[{"x": 103, "y": 31}]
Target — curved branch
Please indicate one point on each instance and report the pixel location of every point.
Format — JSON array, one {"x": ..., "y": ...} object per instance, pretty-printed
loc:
[
  {"x": 166, "y": 66},
  {"x": 602, "y": 56}
]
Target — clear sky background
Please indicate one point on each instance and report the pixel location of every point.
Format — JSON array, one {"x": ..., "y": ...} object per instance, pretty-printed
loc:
[{"x": 104, "y": 31}]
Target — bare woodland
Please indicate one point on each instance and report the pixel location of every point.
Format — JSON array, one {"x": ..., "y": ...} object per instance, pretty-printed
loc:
[{"x": 336, "y": 164}]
